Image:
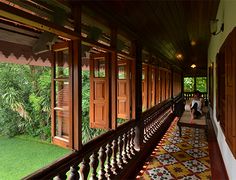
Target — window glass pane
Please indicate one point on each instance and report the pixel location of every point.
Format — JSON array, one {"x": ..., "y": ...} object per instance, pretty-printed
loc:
[
  {"x": 62, "y": 123},
  {"x": 188, "y": 84},
  {"x": 62, "y": 67},
  {"x": 62, "y": 95},
  {"x": 201, "y": 84},
  {"x": 122, "y": 71},
  {"x": 143, "y": 74},
  {"x": 99, "y": 68}
]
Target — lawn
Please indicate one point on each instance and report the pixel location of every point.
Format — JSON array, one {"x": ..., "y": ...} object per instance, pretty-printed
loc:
[{"x": 22, "y": 156}]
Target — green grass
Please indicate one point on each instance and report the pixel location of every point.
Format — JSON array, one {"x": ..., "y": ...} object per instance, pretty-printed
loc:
[{"x": 20, "y": 156}]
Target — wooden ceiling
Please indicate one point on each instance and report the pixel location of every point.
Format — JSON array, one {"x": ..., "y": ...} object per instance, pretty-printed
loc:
[{"x": 166, "y": 27}]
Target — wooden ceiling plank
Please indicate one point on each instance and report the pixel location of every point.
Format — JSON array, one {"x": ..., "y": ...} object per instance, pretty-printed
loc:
[{"x": 17, "y": 15}]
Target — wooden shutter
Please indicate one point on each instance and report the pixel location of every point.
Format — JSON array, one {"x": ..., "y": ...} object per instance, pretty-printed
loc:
[
  {"x": 99, "y": 91},
  {"x": 61, "y": 125},
  {"x": 158, "y": 92},
  {"x": 144, "y": 86},
  {"x": 230, "y": 66},
  {"x": 221, "y": 88},
  {"x": 151, "y": 86},
  {"x": 123, "y": 89}
]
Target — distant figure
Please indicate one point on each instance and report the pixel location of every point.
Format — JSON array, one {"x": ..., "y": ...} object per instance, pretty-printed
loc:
[{"x": 196, "y": 106}]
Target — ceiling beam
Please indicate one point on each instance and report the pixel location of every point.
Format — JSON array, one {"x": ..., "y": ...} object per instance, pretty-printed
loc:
[{"x": 18, "y": 15}]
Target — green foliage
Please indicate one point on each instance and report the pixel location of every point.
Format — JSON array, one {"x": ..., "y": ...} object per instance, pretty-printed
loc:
[
  {"x": 25, "y": 100},
  {"x": 188, "y": 84},
  {"x": 201, "y": 84}
]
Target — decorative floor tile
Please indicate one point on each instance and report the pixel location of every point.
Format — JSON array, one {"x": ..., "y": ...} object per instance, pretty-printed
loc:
[
  {"x": 166, "y": 159},
  {"x": 197, "y": 143},
  {"x": 184, "y": 145},
  {"x": 205, "y": 161},
  {"x": 175, "y": 140},
  {"x": 195, "y": 166},
  {"x": 175, "y": 157},
  {"x": 205, "y": 175},
  {"x": 192, "y": 177},
  {"x": 171, "y": 148},
  {"x": 178, "y": 170},
  {"x": 196, "y": 153},
  {"x": 160, "y": 174},
  {"x": 182, "y": 156}
]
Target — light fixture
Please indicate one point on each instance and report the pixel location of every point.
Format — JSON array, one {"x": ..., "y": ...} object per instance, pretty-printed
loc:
[
  {"x": 179, "y": 56},
  {"x": 213, "y": 27},
  {"x": 193, "y": 66},
  {"x": 193, "y": 43}
]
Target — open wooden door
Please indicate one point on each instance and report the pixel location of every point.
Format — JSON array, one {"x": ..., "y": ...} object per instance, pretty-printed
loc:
[
  {"x": 99, "y": 91},
  {"x": 61, "y": 126},
  {"x": 123, "y": 90}
]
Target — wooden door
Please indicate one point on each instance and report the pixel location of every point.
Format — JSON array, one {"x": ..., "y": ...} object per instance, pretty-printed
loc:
[
  {"x": 61, "y": 126},
  {"x": 123, "y": 89},
  {"x": 99, "y": 91}
]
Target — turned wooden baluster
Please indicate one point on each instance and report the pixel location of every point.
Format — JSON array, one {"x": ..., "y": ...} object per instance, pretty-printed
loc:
[
  {"x": 115, "y": 166},
  {"x": 84, "y": 169},
  {"x": 102, "y": 158},
  {"x": 132, "y": 141},
  {"x": 109, "y": 154},
  {"x": 124, "y": 154},
  {"x": 74, "y": 174},
  {"x": 128, "y": 149},
  {"x": 61, "y": 176},
  {"x": 94, "y": 165},
  {"x": 120, "y": 159}
]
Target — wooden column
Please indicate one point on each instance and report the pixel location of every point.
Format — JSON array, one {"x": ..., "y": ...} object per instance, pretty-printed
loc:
[
  {"x": 77, "y": 82},
  {"x": 182, "y": 84},
  {"x": 113, "y": 79},
  {"x": 138, "y": 98},
  {"x": 172, "y": 84}
]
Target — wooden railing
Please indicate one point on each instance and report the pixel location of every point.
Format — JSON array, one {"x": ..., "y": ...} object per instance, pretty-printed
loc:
[
  {"x": 188, "y": 95},
  {"x": 110, "y": 155}
]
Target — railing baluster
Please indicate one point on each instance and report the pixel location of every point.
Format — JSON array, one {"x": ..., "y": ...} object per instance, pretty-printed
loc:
[
  {"x": 109, "y": 154},
  {"x": 84, "y": 170},
  {"x": 94, "y": 165},
  {"x": 61, "y": 176},
  {"x": 74, "y": 174},
  {"x": 124, "y": 152},
  {"x": 115, "y": 166},
  {"x": 128, "y": 149},
  {"x": 102, "y": 158},
  {"x": 132, "y": 141},
  {"x": 120, "y": 159}
]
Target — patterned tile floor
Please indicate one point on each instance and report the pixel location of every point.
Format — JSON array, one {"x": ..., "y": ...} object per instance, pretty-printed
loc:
[{"x": 175, "y": 157}]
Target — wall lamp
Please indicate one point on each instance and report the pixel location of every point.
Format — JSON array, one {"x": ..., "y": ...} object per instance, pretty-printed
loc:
[{"x": 213, "y": 27}]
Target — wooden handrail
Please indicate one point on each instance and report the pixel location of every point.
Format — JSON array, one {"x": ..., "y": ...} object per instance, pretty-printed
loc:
[{"x": 114, "y": 148}]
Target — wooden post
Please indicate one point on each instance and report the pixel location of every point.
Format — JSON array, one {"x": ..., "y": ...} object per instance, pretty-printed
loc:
[
  {"x": 113, "y": 79},
  {"x": 138, "y": 105},
  {"x": 172, "y": 83},
  {"x": 77, "y": 82}
]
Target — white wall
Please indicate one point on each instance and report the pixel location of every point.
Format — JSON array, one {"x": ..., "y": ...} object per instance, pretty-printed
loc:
[{"x": 227, "y": 14}]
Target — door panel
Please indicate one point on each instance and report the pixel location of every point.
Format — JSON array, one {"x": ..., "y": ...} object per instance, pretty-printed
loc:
[
  {"x": 99, "y": 91},
  {"x": 123, "y": 89}
]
